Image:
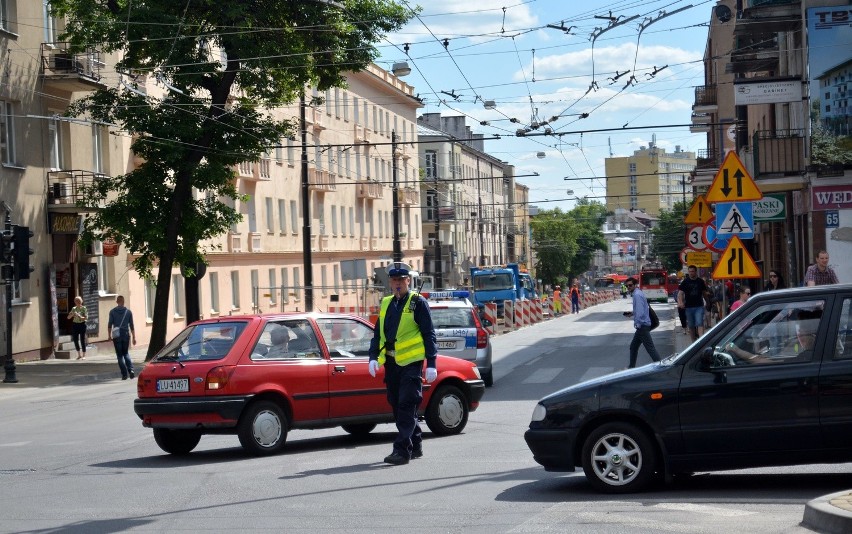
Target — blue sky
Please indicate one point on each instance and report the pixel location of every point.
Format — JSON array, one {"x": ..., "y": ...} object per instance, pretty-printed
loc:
[{"x": 504, "y": 51}]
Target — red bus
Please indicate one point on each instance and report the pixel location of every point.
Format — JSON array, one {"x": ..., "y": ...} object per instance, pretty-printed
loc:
[
  {"x": 654, "y": 282},
  {"x": 673, "y": 284}
]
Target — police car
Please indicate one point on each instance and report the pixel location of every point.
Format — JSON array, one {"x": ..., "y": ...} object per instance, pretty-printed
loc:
[{"x": 459, "y": 331}]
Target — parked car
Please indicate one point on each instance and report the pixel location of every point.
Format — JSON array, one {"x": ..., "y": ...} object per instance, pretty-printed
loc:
[
  {"x": 769, "y": 385},
  {"x": 459, "y": 330},
  {"x": 260, "y": 376}
]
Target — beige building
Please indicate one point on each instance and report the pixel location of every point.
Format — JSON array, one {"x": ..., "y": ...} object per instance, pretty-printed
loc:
[
  {"x": 259, "y": 265},
  {"x": 650, "y": 180},
  {"x": 470, "y": 205}
]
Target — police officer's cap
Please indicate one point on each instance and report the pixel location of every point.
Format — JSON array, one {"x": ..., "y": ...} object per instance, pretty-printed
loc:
[{"x": 398, "y": 270}]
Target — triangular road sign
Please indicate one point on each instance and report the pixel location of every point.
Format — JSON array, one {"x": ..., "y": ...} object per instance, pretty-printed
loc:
[
  {"x": 699, "y": 213},
  {"x": 733, "y": 183},
  {"x": 736, "y": 262}
]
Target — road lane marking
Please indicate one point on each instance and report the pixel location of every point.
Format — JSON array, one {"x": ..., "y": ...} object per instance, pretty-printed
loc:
[
  {"x": 702, "y": 509},
  {"x": 543, "y": 376}
]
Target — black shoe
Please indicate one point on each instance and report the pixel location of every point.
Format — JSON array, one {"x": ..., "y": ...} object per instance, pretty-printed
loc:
[
  {"x": 417, "y": 453},
  {"x": 396, "y": 459},
  {"x": 124, "y": 378},
  {"x": 132, "y": 374}
]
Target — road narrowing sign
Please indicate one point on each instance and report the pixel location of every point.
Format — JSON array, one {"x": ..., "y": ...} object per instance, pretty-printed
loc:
[
  {"x": 732, "y": 183},
  {"x": 736, "y": 262}
]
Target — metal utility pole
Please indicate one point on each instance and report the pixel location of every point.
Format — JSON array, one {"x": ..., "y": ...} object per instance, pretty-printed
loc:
[
  {"x": 397, "y": 246},
  {"x": 306, "y": 211}
]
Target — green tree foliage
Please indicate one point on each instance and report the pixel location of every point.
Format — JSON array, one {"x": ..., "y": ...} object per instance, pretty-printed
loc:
[
  {"x": 565, "y": 243},
  {"x": 227, "y": 63},
  {"x": 669, "y": 236}
]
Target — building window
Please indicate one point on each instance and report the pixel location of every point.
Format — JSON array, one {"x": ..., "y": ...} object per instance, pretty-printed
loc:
[
  {"x": 336, "y": 269},
  {"x": 273, "y": 288},
  {"x": 342, "y": 220},
  {"x": 235, "y": 290},
  {"x": 7, "y": 133},
  {"x": 4, "y": 15},
  {"x": 49, "y": 23},
  {"x": 346, "y": 106},
  {"x": 150, "y": 295},
  {"x": 324, "y": 279},
  {"x": 352, "y": 221},
  {"x": 105, "y": 276},
  {"x": 333, "y": 222},
  {"x": 294, "y": 218},
  {"x": 291, "y": 152},
  {"x": 177, "y": 294},
  {"x": 214, "y": 292},
  {"x": 282, "y": 216},
  {"x": 270, "y": 216},
  {"x": 431, "y": 164},
  {"x": 97, "y": 149},
  {"x": 55, "y": 145},
  {"x": 285, "y": 283},
  {"x": 297, "y": 290},
  {"x": 255, "y": 289}
]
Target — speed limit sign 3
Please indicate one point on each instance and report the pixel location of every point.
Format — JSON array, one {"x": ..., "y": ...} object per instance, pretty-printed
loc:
[{"x": 695, "y": 237}]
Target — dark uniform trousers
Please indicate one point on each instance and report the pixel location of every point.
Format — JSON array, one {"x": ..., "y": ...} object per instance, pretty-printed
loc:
[{"x": 405, "y": 392}]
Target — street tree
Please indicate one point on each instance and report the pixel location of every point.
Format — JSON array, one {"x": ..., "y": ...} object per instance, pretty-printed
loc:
[
  {"x": 554, "y": 239},
  {"x": 669, "y": 236},
  {"x": 224, "y": 66},
  {"x": 590, "y": 217}
]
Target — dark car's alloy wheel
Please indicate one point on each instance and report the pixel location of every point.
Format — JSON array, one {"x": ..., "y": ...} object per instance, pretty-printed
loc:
[
  {"x": 176, "y": 441},
  {"x": 263, "y": 428},
  {"x": 447, "y": 411},
  {"x": 619, "y": 458}
]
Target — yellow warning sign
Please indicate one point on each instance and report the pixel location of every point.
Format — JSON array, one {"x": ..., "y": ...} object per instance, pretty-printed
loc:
[
  {"x": 702, "y": 258},
  {"x": 736, "y": 262},
  {"x": 699, "y": 213},
  {"x": 733, "y": 182}
]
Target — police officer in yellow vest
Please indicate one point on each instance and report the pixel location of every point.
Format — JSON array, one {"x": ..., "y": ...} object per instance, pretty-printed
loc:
[{"x": 402, "y": 338}]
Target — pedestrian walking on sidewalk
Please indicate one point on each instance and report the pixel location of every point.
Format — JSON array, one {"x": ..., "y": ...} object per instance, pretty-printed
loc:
[
  {"x": 78, "y": 316},
  {"x": 121, "y": 330},
  {"x": 641, "y": 315}
]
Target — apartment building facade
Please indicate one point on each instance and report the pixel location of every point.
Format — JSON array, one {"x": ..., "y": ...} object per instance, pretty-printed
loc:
[
  {"x": 471, "y": 213},
  {"x": 649, "y": 180},
  {"x": 761, "y": 98}
]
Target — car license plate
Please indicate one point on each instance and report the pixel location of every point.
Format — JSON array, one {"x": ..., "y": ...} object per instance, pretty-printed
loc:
[
  {"x": 173, "y": 385},
  {"x": 446, "y": 344}
]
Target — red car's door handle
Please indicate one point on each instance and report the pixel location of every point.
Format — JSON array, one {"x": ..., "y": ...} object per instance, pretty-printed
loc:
[{"x": 339, "y": 368}]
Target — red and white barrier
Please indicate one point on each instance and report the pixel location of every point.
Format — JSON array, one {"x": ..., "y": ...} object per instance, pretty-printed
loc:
[
  {"x": 509, "y": 315},
  {"x": 490, "y": 314}
]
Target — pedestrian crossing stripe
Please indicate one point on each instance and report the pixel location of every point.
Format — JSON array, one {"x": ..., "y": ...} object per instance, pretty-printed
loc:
[
  {"x": 736, "y": 262},
  {"x": 699, "y": 213}
]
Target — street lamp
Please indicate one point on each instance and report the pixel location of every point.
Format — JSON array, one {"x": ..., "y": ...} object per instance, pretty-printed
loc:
[{"x": 306, "y": 210}]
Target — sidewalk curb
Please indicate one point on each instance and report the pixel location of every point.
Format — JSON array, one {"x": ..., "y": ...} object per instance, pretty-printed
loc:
[{"x": 823, "y": 516}]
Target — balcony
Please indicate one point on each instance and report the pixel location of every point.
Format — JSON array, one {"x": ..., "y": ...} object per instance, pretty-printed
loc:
[
  {"x": 778, "y": 152},
  {"x": 70, "y": 72},
  {"x": 408, "y": 196},
  {"x": 256, "y": 242},
  {"x": 369, "y": 189},
  {"x": 364, "y": 243},
  {"x": 705, "y": 99},
  {"x": 706, "y": 160},
  {"x": 65, "y": 190},
  {"x": 769, "y": 16},
  {"x": 358, "y": 133},
  {"x": 321, "y": 181},
  {"x": 235, "y": 243},
  {"x": 322, "y": 243},
  {"x": 314, "y": 117}
]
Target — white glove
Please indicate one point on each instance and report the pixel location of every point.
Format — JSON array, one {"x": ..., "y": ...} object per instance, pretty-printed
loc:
[
  {"x": 431, "y": 374},
  {"x": 374, "y": 368}
]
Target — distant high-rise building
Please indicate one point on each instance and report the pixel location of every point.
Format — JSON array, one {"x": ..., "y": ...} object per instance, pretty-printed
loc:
[{"x": 650, "y": 180}]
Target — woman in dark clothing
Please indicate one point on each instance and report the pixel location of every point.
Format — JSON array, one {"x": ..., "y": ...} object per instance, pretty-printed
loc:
[{"x": 775, "y": 281}]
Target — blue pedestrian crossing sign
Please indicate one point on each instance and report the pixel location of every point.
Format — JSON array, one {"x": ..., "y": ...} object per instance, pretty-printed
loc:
[{"x": 735, "y": 219}]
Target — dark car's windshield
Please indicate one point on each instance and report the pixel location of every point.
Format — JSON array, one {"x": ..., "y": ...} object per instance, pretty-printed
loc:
[
  {"x": 206, "y": 341},
  {"x": 493, "y": 282}
]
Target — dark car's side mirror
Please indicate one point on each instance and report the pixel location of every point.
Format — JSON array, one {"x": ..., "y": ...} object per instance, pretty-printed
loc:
[{"x": 707, "y": 358}]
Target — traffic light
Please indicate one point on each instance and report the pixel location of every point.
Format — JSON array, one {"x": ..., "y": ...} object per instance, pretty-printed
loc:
[
  {"x": 22, "y": 252},
  {"x": 6, "y": 268}
]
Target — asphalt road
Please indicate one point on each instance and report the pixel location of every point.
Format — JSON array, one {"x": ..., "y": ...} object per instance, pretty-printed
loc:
[{"x": 74, "y": 458}]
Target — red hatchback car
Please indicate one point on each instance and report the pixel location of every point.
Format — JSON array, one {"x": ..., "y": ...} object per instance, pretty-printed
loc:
[{"x": 259, "y": 376}]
